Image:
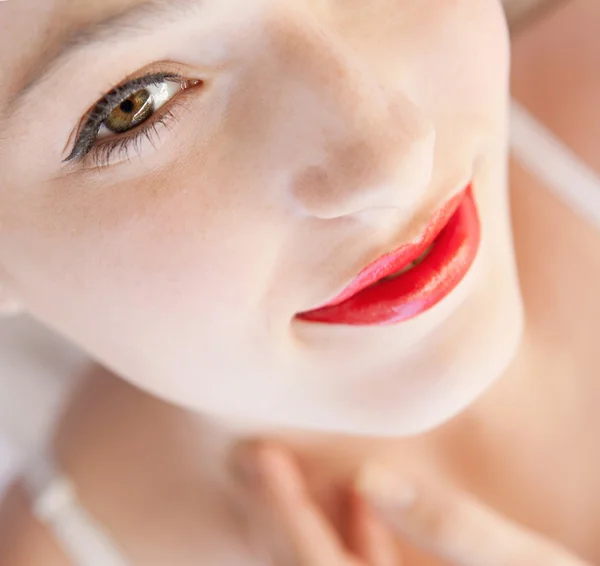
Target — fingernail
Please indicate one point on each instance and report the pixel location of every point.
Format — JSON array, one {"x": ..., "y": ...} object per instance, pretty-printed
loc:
[{"x": 383, "y": 488}]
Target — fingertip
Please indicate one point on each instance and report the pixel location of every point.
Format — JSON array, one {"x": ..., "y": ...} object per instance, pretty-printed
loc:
[
  {"x": 382, "y": 487},
  {"x": 279, "y": 470}
]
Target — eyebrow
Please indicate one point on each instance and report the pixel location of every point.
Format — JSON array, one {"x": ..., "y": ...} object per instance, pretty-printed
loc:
[{"x": 138, "y": 20}]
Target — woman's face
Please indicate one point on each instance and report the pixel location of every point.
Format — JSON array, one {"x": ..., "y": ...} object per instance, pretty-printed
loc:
[{"x": 297, "y": 142}]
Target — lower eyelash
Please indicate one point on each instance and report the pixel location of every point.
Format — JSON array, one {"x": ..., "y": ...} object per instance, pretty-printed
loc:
[{"x": 101, "y": 154}]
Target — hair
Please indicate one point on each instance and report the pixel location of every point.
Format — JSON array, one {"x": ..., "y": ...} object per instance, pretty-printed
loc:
[{"x": 522, "y": 12}]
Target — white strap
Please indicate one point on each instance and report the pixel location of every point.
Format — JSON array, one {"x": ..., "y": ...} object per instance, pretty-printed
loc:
[
  {"x": 557, "y": 166},
  {"x": 55, "y": 504},
  {"x": 7, "y": 464}
]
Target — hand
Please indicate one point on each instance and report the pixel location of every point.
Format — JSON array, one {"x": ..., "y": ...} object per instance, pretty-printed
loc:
[
  {"x": 296, "y": 516},
  {"x": 449, "y": 525}
]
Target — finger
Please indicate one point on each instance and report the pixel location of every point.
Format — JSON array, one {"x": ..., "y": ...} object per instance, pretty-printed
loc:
[
  {"x": 314, "y": 541},
  {"x": 454, "y": 526},
  {"x": 368, "y": 538}
]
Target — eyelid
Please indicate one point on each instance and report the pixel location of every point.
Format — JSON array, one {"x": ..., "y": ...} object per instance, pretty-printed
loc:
[
  {"x": 90, "y": 125},
  {"x": 100, "y": 156}
]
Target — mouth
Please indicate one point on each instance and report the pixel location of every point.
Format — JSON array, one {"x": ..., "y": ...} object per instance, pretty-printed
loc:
[{"x": 415, "y": 277}]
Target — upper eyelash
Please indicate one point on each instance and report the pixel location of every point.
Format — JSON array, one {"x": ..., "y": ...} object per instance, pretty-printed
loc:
[{"x": 88, "y": 134}]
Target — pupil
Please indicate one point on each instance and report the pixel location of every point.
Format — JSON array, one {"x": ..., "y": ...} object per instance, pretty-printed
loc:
[{"x": 126, "y": 106}]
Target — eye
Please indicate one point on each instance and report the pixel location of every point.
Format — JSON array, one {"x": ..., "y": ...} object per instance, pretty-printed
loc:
[
  {"x": 127, "y": 113},
  {"x": 138, "y": 108}
]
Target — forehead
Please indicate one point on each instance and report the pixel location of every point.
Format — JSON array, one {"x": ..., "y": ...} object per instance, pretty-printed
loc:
[{"x": 33, "y": 31}]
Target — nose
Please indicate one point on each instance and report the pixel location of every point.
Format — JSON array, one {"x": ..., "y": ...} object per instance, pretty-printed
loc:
[{"x": 359, "y": 144}]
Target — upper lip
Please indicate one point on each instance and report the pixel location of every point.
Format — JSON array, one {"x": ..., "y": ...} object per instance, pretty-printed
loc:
[{"x": 396, "y": 260}]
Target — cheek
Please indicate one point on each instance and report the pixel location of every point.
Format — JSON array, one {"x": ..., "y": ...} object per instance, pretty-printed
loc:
[
  {"x": 484, "y": 55},
  {"x": 466, "y": 62},
  {"x": 451, "y": 57},
  {"x": 470, "y": 58},
  {"x": 163, "y": 246}
]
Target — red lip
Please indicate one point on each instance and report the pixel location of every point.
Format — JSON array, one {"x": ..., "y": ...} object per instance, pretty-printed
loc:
[{"x": 454, "y": 234}]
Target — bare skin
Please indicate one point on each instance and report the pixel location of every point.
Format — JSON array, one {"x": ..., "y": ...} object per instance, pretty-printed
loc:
[{"x": 536, "y": 462}]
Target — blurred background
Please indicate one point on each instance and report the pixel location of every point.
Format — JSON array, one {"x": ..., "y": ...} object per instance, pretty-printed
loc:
[{"x": 37, "y": 369}]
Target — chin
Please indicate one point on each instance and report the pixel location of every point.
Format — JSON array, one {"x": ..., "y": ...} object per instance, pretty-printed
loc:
[
  {"x": 463, "y": 381},
  {"x": 459, "y": 362},
  {"x": 471, "y": 344},
  {"x": 423, "y": 388},
  {"x": 476, "y": 335}
]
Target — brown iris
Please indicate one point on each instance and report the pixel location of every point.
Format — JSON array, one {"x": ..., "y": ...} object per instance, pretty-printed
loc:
[{"x": 131, "y": 112}]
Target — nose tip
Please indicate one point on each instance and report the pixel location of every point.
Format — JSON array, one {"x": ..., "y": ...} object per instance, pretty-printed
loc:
[{"x": 370, "y": 159}]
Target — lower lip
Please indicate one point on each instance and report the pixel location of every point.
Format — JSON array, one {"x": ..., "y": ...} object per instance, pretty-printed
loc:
[{"x": 390, "y": 301}]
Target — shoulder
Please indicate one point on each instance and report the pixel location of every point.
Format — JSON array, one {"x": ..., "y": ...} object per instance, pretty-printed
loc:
[{"x": 23, "y": 540}]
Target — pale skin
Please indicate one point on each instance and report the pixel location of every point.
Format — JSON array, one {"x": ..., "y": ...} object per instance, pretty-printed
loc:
[{"x": 477, "y": 452}]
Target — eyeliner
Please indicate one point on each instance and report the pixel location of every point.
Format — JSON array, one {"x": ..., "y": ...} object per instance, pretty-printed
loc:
[{"x": 89, "y": 133}]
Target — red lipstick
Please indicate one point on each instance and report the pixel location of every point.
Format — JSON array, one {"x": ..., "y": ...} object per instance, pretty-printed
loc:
[{"x": 410, "y": 280}]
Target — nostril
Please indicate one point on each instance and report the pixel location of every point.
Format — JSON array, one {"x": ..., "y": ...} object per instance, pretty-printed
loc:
[
  {"x": 333, "y": 188},
  {"x": 310, "y": 187},
  {"x": 386, "y": 169}
]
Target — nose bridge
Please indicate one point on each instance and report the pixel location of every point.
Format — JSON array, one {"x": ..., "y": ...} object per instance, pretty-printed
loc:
[{"x": 373, "y": 147}]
